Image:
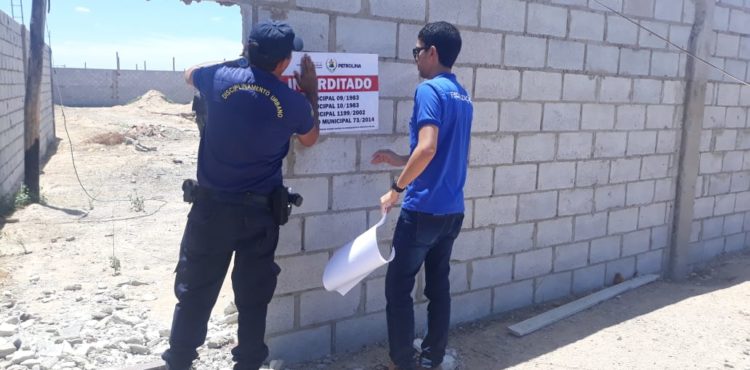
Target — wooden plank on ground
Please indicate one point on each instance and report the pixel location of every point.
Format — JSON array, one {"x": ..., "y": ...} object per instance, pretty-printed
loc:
[{"x": 537, "y": 322}]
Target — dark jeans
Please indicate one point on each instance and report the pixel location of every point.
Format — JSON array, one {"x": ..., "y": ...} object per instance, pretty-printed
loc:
[
  {"x": 214, "y": 232},
  {"x": 420, "y": 238}
]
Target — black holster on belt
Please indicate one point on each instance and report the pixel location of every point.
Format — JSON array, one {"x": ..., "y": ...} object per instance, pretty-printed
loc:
[
  {"x": 189, "y": 190},
  {"x": 280, "y": 206}
]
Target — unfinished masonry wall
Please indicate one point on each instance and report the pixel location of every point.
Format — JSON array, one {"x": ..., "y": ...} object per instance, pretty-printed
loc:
[
  {"x": 574, "y": 155},
  {"x": 12, "y": 92}
]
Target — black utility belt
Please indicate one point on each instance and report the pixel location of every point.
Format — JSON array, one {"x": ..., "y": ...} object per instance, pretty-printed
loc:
[{"x": 280, "y": 200}]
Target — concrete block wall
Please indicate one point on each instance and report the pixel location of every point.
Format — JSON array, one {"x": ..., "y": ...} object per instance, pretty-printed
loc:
[
  {"x": 721, "y": 214},
  {"x": 573, "y": 161},
  {"x": 12, "y": 92},
  {"x": 78, "y": 87}
]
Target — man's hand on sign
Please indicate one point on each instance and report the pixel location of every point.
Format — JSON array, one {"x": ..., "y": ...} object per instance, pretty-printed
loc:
[
  {"x": 388, "y": 156},
  {"x": 307, "y": 78},
  {"x": 388, "y": 200}
]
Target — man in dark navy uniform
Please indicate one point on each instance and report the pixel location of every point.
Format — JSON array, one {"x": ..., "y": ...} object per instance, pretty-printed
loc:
[{"x": 251, "y": 117}]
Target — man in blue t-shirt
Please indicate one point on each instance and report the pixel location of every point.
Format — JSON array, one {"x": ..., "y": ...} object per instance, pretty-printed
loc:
[
  {"x": 251, "y": 115},
  {"x": 433, "y": 208}
]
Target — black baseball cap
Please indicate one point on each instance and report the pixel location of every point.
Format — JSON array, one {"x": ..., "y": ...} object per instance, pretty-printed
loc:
[{"x": 275, "y": 40}]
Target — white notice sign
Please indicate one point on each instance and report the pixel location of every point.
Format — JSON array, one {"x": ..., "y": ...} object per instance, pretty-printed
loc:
[{"x": 347, "y": 88}]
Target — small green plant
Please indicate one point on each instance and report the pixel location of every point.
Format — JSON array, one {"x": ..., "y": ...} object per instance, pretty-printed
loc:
[
  {"x": 137, "y": 203},
  {"x": 23, "y": 198}
]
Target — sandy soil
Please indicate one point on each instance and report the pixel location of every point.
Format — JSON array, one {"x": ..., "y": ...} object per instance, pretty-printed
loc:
[{"x": 138, "y": 216}]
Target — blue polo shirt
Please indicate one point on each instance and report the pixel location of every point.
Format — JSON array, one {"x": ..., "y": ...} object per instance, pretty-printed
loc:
[
  {"x": 439, "y": 189},
  {"x": 251, "y": 117}
]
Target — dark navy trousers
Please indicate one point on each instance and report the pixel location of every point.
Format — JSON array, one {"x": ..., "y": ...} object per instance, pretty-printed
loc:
[
  {"x": 420, "y": 238},
  {"x": 214, "y": 232}
]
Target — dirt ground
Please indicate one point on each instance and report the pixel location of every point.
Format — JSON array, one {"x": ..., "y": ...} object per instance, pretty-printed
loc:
[{"x": 138, "y": 216}]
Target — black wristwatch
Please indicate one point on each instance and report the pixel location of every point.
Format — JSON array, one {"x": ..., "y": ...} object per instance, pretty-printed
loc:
[{"x": 394, "y": 187}]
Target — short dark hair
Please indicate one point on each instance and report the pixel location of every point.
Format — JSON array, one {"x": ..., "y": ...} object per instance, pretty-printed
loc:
[
  {"x": 445, "y": 38},
  {"x": 261, "y": 61}
]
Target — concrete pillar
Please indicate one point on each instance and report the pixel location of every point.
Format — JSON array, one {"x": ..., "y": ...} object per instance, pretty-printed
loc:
[
  {"x": 700, "y": 44},
  {"x": 247, "y": 20}
]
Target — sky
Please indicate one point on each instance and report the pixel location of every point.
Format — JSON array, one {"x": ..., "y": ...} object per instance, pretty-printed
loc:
[{"x": 89, "y": 32}]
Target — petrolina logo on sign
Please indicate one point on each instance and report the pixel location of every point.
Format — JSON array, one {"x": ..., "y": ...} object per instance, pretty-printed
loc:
[{"x": 331, "y": 65}]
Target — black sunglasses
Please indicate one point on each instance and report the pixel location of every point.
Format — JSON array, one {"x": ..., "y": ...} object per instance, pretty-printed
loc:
[{"x": 415, "y": 51}]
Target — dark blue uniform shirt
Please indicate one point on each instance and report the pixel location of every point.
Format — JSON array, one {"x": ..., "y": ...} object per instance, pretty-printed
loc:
[{"x": 251, "y": 117}]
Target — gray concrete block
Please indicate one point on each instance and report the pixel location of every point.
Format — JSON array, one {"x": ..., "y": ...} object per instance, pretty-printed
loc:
[
  {"x": 664, "y": 64},
  {"x": 660, "y": 237},
  {"x": 561, "y": 117},
  {"x": 472, "y": 244},
  {"x": 624, "y": 266},
  {"x": 512, "y": 296},
  {"x": 314, "y": 190},
  {"x": 623, "y": 220},
  {"x": 547, "y": 20},
  {"x": 635, "y": 62},
  {"x": 533, "y": 263},
  {"x": 491, "y": 150},
  {"x": 497, "y": 84},
  {"x": 740, "y": 182},
  {"x": 513, "y": 238},
  {"x": 552, "y": 287},
  {"x": 375, "y": 298},
  {"x": 355, "y": 333},
  {"x": 369, "y": 145},
  {"x": 586, "y": 25},
  {"x": 739, "y": 21},
  {"x": 710, "y": 162},
  {"x": 319, "y": 306},
  {"x": 615, "y": 90},
  {"x": 508, "y": 15},
  {"x": 565, "y": 55},
  {"x": 636, "y": 242},
  {"x": 301, "y": 272},
  {"x": 719, "y": 183},
  {"x": 571, "y": 256},
  {"x": 478, "y": 182},
  {"x": 340, "y": 153},
  {"x": 641, "y": 142},
  {"x": 733, "y": 223},
  {"x": 610, "y": 144},
  {"x": 354, "y": 35},
  {"x": 625, "y": 169},
  {"x": 536, "y": 206},
  {"x": 445, "y": 10},
  {"x": 736, "y": 117},
  {"x": 489, "y": 272},
  {"x": 579, "y": 87},
  {"x": 574, "y": 145},
  {"x": 496, "y": 211},
  {"x": 703, "y": 207},
  {"x": 535, "y": 148},
  {"x": 314, "y": 27},
  {"x": 674, "y": 92},
  {"x": 515, "y": 179},
  {"x": 541, "y": 86},
  {"x": 729, "y": 94},
  {"x": 726, "y": 140},
  {"x": 412, "y": 10},
  {"x": 459, "y": 279},
  {"x": 517, "y": 117},
  {"x": 735, "y": 243},
  {"x": 320, "y": 235},
  {"x": 652, "y": 215},
  {"x": 556, "y": 175},
  {"x": 668, "y": 10},
  {"x": 302, "y": 344},
  {"x": 576, "y": 201},
  {"x": 407, "y": 36},
  {"x": 359, "y": 191},
  {"x": 480, "y": 47},
  {"x": 621, "y": 31},
  {"x": 647, "y": 39},
  {"x": 591, "y": 226},
  {"x": 554, "y": 232},
  {"x": 280, "y": 316},
  {"x": 660, "y": 116},
  {"x": 714, "y": 117},
  {"x": 647, "y": 91},
  {"x": 733, "y": 161},
  {"x": 592, "y": 173},
  {"x": 485, "y": 117},
  {"x": 588, "y": 279},
  {"x": 724, "y": 204},
  {"x": 597, "y": 117},
  {"x": 397, "y": 80},
  {"x": 604, "y": 249},
  {"x": 602, "y": 59},
  {"x": 655, "y": 166},
  {"x": 630, "y": 117},
  {"x": 332, "y": 5},
  {"x": 290, "y": 238},
  {"x": 470, "y": 306},
  {"x": 525, "y": 51}
]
